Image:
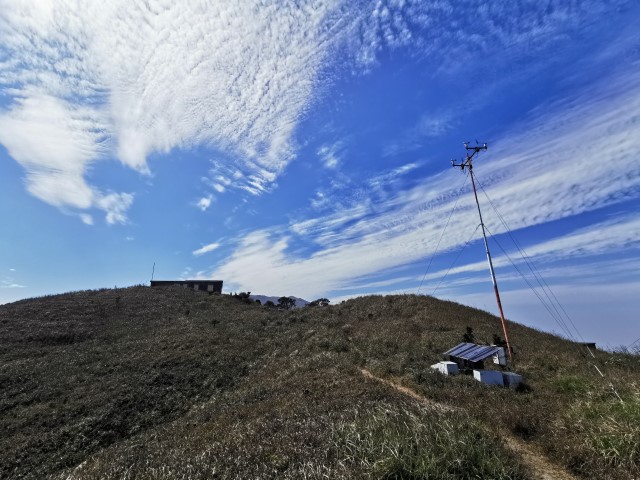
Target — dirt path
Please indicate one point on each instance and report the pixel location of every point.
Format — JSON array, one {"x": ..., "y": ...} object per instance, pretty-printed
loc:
[
  {"x": 541, "y": 467},
  {"x": 407, "y": 391}
]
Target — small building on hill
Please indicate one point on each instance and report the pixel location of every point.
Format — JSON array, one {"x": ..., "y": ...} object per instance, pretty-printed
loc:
[{"x": 211, "y": 286}]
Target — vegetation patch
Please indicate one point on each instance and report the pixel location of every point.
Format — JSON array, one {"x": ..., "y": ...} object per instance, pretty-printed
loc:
[
  {"x": 170, "y": 383},
  {"x": 609, "y": 433},
  {"x": 398, "y": 442},
  {"x": 572, "y": 385}
]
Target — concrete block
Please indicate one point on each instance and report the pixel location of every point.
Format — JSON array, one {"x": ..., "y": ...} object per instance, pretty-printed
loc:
[
  {"x": 511, "y": 379},
  {"x": 490, "y": 377},
  {"x": 446, "y": 368}
]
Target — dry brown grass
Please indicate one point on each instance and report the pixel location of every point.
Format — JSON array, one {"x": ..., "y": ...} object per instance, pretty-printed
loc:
[
  {"x": 169, "y": 383},
  {"x": 568, "y": 410}
]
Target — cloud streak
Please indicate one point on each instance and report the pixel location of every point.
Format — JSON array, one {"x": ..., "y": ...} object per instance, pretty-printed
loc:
[
  {"x": 206, "y": 249},
  {"x": 619, "y": 235},
  {"x": 570, "y": 165}
]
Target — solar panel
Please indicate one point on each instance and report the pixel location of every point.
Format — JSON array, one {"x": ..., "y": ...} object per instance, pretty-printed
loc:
[{"x": 472, "y": 352}]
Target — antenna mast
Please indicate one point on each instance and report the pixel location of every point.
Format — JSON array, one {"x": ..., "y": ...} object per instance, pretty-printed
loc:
[{"x": 468, "y": 163}]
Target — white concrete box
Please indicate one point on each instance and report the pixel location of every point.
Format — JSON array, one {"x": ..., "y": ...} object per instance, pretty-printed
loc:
[
  {"x": 511, "y": 379},
  {"x": 490, "y": 377},
  {"x": 446, "y": 368},
  {"x": 499, "y": 358}
]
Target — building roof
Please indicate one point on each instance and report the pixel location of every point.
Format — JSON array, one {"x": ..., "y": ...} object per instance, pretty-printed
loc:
[{"x": 472, "y": 352}]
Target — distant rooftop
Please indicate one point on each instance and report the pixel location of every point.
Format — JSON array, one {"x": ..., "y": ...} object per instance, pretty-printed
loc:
[{"x": 211, "y": 286}]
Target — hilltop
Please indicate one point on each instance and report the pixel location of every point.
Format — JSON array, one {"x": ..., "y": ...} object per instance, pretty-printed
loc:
[{"x": 171, "y": 383}]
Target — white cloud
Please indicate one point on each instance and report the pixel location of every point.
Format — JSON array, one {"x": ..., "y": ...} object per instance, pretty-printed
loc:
[
  {"x": 501, "y": 33},
  {"x": 619, "y": 235},
  {"x": 55, "y": 142},
  {"x": 430, "y": 125},
  {"x": 9, "y": 282},
  {"x": 330, "y": 155},
  {"x": 90, "y": 80},
  {"x": 204, "y": 203},
  {"x": 186, "y": 273},
  {"x": 599, "y": 238},
  {"x": 320, "y": 200},
  {"x": 115, "y": 205},
  {"x": 94, "y": 79},
  {"x": 565, "y": 161},
  {"x": 86, "y": 218},
  {"x": 245, "y": 72},
  {"x": 206, "y": 249}
]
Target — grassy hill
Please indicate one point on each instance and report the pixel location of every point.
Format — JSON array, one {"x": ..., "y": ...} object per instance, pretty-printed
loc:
[{"x": 170, "y": 383}]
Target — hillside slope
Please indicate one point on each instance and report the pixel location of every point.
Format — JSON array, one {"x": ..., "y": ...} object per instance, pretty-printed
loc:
[{"x": 170, "y": 383}]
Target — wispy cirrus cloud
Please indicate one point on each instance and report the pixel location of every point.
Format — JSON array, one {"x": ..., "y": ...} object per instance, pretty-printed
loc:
[
  {"x": 330, "y": 154},
  {"x": 9, "y": 281},
  {"x": 595, "y": 270},
  {"x": 455, "y": 34},
  {"x": 122, "y": 80},
  {"x": 153, "y": 77},
  {"x": 563, "y": 162},
  {"x": 429, "y": 126},
  {"x": 587, "y": 244}
]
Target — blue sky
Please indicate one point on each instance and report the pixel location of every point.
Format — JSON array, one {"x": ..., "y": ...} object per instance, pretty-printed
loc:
[{"x": 303, "y": 148}]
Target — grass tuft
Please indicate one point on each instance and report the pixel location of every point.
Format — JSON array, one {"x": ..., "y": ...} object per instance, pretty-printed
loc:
[{"x": 396, "y": 442}]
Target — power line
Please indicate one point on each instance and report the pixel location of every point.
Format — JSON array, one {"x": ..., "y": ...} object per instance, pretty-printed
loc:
[
  {"x": 542, "y": 282},
  {"x": 455, "y": 260},
  {"x": 559, "y": 320},
  {"x": 546, "y": 289},
  {"x": 442, "y": 234}
]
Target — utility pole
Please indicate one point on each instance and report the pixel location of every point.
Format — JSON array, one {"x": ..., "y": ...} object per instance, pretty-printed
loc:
[{"x": 468, "y": 163}]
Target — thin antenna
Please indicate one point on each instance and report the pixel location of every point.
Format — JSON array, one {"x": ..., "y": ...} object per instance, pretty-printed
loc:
[
  {"x": 468, "y": 163},
  {"x": 153, "y": 270}
]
